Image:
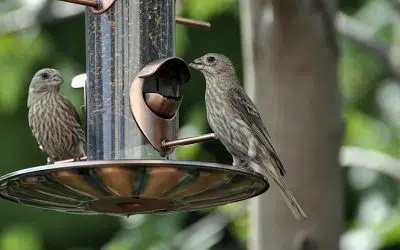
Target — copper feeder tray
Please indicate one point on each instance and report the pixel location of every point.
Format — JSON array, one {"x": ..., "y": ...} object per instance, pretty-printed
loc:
[{"x": 126, "y": 187}]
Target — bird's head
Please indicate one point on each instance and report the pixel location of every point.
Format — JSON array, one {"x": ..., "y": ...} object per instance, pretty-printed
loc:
[
  {"x": 214, "y": 64},
  {"x": 46, "y": 80}
]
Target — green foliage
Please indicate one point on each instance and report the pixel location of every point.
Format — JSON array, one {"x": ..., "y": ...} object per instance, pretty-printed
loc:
[
  {"x": 241, "y": 228},
  {"x": 194, "y": 124},
  {"x": 118, "y": 245},
  {"x": 146, "y": 232},
  {"x": 203, "y": 10},
  {"x": 21, "y": 237},
  {"x": 360, "y": 73},
  {"x": 240, "y": 224},
  {"x": 17, "y": 53},
  {"x": 390, "y": 231},
  {"x": 181, "y": 40},
  {"x": 365, "y": 131}
]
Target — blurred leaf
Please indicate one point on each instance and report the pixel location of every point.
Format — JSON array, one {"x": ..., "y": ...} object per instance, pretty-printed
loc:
[
  {"x": 147, "y": 232},
  {"x": 365, "y": 131},
  {"x": 390, "y": 231},
  {"x": 359, "y": 71},
  {"x": 17, "y": 53},
  {"x": 118, "y": 245},
  {"x": 181, "y": 40},
  {"x": 370, "y": 133},
  {"x": 376, "y": 13},
  {"x": 351, "y": 6},
  {"x": 204, "y": 9},
  {"x": 240, "y": 225},
  {"x": 195, "y": 124},
  {"x": 81, "y": 248},
  {"x": 21, "y": 237},
  {"x": 386, "y": 33}
]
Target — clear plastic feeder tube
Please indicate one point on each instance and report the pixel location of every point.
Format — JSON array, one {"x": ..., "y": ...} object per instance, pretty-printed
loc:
[{"x": 120, "y": 42}]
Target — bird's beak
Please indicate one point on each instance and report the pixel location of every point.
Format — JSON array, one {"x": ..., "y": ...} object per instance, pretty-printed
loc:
[
  {"x": 57, "y": 81},
  {"x": 197, "y": 64}
]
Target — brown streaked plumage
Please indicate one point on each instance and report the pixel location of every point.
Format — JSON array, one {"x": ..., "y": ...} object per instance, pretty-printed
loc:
[
  {"x": 236, "y": 121},
  {"x": 53, "y": 118}
]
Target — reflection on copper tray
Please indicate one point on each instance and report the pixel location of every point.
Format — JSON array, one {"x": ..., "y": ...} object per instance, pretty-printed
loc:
[{"x": 125, "y": 187}]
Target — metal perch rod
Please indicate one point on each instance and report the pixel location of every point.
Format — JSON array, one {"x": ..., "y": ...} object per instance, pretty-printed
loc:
[
  {"x": 187, "y": 21},
  {"x": 91, "y": 3},
  {"x": 84, "y": 158},
  {"x": 103, "y": 4},
  {"x": 188, "y": 141},
  {"x": 169, "y": 144}
]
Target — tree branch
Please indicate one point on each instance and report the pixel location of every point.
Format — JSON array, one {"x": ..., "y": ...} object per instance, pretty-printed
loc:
[
  {"x": 356, "y": 31},
  {"x": 40, "y": 13},
  {"x": 205, "y": 233},
  {"x": 363, "y": 35},
  {"x": 370, "y": 159}
]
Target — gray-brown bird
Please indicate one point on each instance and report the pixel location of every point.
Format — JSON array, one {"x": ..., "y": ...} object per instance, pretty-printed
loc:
[
  {"x": 53, "y": 118},
  {"x": 236, "y": 122}
]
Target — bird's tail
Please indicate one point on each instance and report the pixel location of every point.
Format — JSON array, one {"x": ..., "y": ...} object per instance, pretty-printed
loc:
[{"x": 291, "y": 202}]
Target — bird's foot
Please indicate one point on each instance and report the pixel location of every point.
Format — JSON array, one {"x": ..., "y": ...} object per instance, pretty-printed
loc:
[
  {"x": 50, "y": 161},
  {"x": 77, "y": 158},
  {"x": 236, "y": 162},
  {"x": 244, "y": 163}
]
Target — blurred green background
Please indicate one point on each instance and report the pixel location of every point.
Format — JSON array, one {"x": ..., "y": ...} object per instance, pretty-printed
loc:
[{"x": 371, "y": 109}]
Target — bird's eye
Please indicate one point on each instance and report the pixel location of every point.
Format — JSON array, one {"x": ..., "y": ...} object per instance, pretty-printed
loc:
[
  {"x": 45, "y": 75},
  {"x": 210, "y": 59}
]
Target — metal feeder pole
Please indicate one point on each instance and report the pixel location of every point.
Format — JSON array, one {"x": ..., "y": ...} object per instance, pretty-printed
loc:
[{"x": 120, "y": 42}]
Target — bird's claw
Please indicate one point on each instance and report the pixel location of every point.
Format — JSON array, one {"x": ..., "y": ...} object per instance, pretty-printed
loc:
[
  {"x": 244, "y": 163},
  {"x": 50, "y": 161}
]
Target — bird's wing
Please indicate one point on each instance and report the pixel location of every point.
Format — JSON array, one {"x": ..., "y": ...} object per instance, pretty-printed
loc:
[
  {"x": 73, "y": 111},
  {"x": 248, "y": 111},
  {"x": 71, "y": 108}
]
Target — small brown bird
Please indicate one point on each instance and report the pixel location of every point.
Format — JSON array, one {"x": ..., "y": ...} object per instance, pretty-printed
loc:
[
  {"x": 53, "y": 118},
  {"x": 236, "y": 121}
]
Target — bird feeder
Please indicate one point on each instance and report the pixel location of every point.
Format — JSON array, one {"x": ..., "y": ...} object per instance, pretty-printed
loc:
[{"x": 131, "y": 103}]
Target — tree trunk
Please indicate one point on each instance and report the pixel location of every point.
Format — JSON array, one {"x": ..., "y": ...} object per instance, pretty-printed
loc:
[{"x": 290, "y": 60}]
